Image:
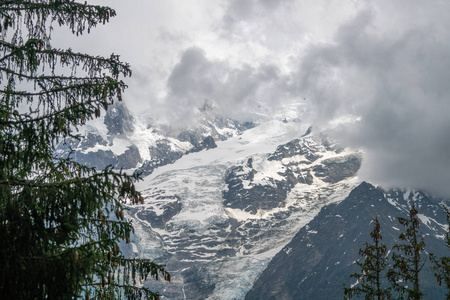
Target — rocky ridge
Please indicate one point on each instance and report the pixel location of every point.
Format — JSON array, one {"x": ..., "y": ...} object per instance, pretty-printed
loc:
[
  {"x": 321, "y": 256},
  {"x": 137, "y": 143}
]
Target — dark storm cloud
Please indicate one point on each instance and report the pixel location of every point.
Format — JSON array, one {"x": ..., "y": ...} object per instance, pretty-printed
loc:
[
  {"x": 397, "y": 83},
  {"x": 242, "y": 9},
  {"x": 249, "y": 11},
  {"x": 236, "y": 92}
]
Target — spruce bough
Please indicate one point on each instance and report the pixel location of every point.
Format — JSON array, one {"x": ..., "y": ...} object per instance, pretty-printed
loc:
[
  {"x": 400, "y": 278},
  {"x": 61, "y": 222},
  {"x": 373, "y": 269}
]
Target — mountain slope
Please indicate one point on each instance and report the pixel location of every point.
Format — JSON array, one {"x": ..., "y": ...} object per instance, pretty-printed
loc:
[{"x": 320, "y": 258}]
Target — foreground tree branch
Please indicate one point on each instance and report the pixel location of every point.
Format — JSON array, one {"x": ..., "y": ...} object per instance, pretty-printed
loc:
[{"x": 61, "y": 223}]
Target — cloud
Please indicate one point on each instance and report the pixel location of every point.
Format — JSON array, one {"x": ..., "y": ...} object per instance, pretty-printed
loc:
[
  {"x": 264, "y": 37},
  {"x": 244, "y": 9},
  {"x": 382, "y": 62},
  {"x": 234, "y": 91},
  {"x": 395, "y": 79}
]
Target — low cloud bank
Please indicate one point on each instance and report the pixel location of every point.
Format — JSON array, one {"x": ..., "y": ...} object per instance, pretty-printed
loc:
[{"x": 389, "y": 67}]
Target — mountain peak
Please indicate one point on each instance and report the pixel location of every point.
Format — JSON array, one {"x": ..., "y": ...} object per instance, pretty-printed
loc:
[{"x": 118, "y": 120}]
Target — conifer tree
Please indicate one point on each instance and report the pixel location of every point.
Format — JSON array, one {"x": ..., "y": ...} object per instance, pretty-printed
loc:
[
  {"x": 442, "y": 265},
  {"x": 370, "y": 282},
  {"x": 409, "y": 258},
  {"x": 61, "y": 222}
]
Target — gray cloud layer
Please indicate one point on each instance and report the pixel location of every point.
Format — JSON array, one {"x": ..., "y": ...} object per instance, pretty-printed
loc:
[
  {"x": 388, "y": 66},
  {"x": 236, "y": 92},
  {"x": 385, "y": 63},
  {"x": 397, "y": 81}
]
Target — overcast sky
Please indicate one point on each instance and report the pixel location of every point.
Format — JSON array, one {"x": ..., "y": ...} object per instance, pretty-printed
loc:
[{"x": 375, "y": 72}]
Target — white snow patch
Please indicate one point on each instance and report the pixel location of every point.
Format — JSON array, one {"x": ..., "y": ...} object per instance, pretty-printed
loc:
[{"x": 425, "y": 220}]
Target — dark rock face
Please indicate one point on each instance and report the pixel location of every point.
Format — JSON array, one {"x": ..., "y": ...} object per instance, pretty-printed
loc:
[
  {"x": 258, "y": 196},
  {"x": 161, "y": 154},
  {"x": 310, "y": 151},
  {"x": 308, "y": 131},
  {"x": 99, "y": 159},
  {"x": 118, "y": 120},
  {"x": 300, "y": 159},
  {"x": 129, "y": 159},
  {"x": 320, "y": 258},
  {"x": 336, "y": 169},
  {"x": 190, "y": 136},
  {"x": 90, "y": 141},
  {"x": 119, "y": 124},
  {"x": 209, "y": 143},
  {"x": 197, "y": 137},
  {"x": 170, "y": 209}
]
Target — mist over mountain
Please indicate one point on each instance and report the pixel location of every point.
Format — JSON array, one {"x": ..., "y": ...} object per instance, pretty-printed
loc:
[{"x": 139, "y": 143}]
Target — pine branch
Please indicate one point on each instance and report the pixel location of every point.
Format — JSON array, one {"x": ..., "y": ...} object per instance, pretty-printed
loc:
[
  {"x": 52, "y": 78},
  {"x": 38, "y": 184},
  {"x": 50, "y": 206},
  {"x": 50, "y": 91},
  {"x": 64, "y": 12},
  {"x": 63, "y": 111},
  {"x": 67, "y": 57}
]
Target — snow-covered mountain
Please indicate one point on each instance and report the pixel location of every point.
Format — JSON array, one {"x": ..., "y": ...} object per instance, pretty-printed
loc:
[
  {"x": 223, "y": 198},
  {"x": 141, "y": 143},
  {"x": 216, "y": 218}
]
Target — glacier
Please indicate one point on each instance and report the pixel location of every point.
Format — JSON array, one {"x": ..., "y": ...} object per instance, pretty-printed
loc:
[{"x": 217, "y": 251}]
